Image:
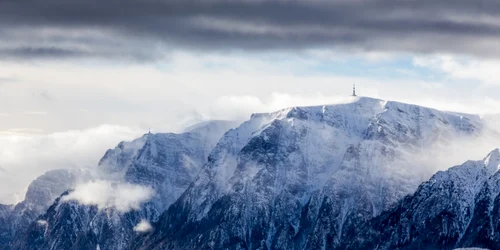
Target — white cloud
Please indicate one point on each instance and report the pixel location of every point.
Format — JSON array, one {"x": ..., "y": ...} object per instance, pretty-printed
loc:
[
  {"x": 105, "y": 194},
  {"x": 25, "y": 156},
  {"x": 143, "y": 227}
]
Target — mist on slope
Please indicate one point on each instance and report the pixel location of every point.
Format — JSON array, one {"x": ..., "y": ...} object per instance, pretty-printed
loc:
[
  {"x": 24, "y": 157},
  {"x": 448, "y": 153}
]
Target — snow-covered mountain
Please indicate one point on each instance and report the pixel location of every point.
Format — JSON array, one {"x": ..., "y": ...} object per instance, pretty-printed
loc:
[
  {"x": 459, "y": 207},
  {"x": 165, "y": 163},
  {"x": 304, "y": 177},
  {"x": 299, "y": 178}
]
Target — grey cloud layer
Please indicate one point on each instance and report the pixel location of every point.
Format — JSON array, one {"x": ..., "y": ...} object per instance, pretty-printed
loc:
[{"x": 145, "y": 30}]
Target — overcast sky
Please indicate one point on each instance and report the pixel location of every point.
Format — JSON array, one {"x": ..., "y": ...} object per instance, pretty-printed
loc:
[{"x": 97, "y": 72}]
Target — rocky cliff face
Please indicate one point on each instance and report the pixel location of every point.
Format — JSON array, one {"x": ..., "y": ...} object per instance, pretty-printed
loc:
[{"x": 305, "y": 177}]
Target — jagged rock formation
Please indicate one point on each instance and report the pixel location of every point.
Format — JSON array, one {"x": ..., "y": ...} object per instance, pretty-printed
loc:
[{"x": 459, "y": 207}]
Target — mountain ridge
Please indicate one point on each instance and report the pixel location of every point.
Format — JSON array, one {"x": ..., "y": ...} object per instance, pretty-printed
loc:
[{"x": 296, "y": 178}]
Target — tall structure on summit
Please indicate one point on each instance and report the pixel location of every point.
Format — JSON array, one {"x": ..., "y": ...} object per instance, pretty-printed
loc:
[{"x": 354, "y": 90}]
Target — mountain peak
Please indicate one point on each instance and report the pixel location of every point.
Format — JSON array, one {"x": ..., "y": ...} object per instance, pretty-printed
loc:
[{"x": 492, "y": 161}]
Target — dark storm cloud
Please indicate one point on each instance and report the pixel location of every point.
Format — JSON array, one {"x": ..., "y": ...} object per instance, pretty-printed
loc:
[{"x": 142, "y": 30}]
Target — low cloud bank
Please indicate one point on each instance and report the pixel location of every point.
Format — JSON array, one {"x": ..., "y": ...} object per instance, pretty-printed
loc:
[
  {"x": 124, "y": 197},
  {"x": 24, "y": 157}
]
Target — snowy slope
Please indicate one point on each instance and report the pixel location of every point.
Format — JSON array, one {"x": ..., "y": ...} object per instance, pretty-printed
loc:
[
  {"x": 166, "y": 163},
  {"x": 455, "y": 208},
  {"x": 302, "y": 177}
]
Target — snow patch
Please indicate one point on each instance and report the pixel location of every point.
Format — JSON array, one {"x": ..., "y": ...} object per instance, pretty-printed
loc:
[{"x": 105, "y": 194}]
